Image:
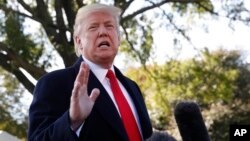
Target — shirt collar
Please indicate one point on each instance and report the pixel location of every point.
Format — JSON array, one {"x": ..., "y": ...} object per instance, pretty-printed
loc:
[{"x": 99, "y": 72}]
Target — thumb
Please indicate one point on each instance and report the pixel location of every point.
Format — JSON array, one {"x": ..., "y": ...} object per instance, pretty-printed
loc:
[{"x": 94, "y": 94}]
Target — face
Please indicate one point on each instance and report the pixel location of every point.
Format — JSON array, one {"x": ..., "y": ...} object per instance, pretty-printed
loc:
[{"x": 99, "y": 39}]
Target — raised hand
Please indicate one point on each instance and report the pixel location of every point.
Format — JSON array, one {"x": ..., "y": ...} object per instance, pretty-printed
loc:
[{"x": 80, "y": 103}]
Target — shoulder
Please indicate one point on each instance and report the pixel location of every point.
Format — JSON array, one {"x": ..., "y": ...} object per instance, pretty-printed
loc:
[
  {"x": 59, "y": 75},
  {"x": 130, "y": 80},
  {"x": 62, "y": 79},
  {"x": 68, "y": 73}
]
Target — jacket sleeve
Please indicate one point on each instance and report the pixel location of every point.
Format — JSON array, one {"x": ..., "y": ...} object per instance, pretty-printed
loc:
[{"x": 48, "y": 113}]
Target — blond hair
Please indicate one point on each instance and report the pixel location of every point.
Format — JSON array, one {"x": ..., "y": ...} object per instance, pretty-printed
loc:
[{"x": 84, "y": 11}]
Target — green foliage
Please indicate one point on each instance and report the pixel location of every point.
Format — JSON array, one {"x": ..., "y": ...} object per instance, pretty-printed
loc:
[
  {"x": 200, "y": 7},
  {"x": 206, "y": 80},
  {"x": 19, "y": 42},
  {"x": 239, "y": 114},
  {"x": 12, "y": 119},
  {"x": 138, "y": 44},
  {"x": 236, "y": 112},
  {"x": 3, "y": 1},
  {"x": 214, "y": 77},
  {"x": 157, "y": 104}
]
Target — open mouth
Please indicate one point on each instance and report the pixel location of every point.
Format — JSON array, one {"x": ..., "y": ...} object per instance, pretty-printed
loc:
[{"x": 104, "y": 44}]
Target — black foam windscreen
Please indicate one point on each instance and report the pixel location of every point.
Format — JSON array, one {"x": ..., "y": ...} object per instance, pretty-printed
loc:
[{"x": 190, "y": 122}]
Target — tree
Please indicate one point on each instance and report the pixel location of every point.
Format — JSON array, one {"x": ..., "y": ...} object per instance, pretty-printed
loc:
[
  {"x": 12, "y": 117},
  {"x": 28, "y": 50},
  {"x": 218, "y": 81},
  {"x": 56, "y": 18},
  {"x": 237, "y": 111},
  {"x": 206, "y": 80}
]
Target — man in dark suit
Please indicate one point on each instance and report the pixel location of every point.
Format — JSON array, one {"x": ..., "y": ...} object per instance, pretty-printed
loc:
[{"x": 80, "y": 103}]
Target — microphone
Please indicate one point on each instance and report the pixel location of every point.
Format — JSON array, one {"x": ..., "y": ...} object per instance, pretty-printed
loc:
[{"x": 190, "y": 122}]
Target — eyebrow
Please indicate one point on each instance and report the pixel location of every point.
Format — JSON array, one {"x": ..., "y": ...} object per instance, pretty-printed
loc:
[{"x": 105, "y": 22}]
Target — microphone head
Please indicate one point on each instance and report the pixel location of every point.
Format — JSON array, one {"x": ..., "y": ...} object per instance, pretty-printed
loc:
[{"x": 190, "y": 122}]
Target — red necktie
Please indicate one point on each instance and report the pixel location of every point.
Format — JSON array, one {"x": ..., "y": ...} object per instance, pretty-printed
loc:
[{"x": 127, "y": 116}]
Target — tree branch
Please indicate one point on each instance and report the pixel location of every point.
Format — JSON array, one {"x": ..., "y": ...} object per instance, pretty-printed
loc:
[
  {"x": 17, "y": 72},
  {"x": 79, "y": 3},
  {"x": 20, "y": 62},
  {"x": 126, "y": 18},
  {"x": 59, "y": 17},
  {"x": 70, "y": 12},
  {"x": 26, "y": 6},
  {"x": 64, "y": 47},
  {"x": 131, "y": 45},
  {"x": 154, "y": 5},
  {"x": 227, "y": 16},
  {"x": 123, "y": 5},
  {"x": 41, "y": 13},
  {"x": 207, "y": 9},
  {"x": 127, "y": 4},
  {"x": 6, "y": 9}
]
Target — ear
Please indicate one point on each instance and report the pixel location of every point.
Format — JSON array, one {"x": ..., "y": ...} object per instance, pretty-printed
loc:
[{"x": 78, "y": 40}]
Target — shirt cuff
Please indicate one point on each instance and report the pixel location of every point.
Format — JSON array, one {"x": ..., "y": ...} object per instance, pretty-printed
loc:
[{"x": 79, "y": 130}]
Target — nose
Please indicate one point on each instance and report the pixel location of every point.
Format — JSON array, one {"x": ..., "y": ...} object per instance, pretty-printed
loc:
[{"x": 103, "y": 31}]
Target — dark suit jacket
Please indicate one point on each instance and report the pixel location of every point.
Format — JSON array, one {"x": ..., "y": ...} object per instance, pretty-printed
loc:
[{"x": 49, "y": 115}]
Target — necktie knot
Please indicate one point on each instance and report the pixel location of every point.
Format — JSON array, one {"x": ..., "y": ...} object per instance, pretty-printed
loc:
[{"x": 110, "y": 74}]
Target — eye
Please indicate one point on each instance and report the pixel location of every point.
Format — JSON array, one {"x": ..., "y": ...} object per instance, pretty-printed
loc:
[
  {"x": 92, "y": 27},
  {"x": 110, "y": 26}
]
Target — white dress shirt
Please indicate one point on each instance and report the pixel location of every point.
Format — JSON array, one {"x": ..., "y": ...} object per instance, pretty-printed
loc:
[{"x": 100, "y": 73}]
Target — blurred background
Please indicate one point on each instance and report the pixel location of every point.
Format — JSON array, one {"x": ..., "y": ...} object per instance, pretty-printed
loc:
[{"x": 176, "y": 50}]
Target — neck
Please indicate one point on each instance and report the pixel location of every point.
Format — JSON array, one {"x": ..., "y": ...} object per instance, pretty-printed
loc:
[
  {"x": 106, "y": 66},
  {"x": 103, "y": 64}
]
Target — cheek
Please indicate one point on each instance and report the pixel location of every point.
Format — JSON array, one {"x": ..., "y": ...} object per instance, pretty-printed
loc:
[
  {"x": 117, "y": 41},
  {"x": 86, "y": 41},
  {"x": 115, "y": 37}
]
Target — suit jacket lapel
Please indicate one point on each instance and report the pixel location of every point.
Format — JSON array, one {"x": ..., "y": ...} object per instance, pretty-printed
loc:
[
  {"x": 104, "y": 105},
  {"x": 138, "y": 101}
]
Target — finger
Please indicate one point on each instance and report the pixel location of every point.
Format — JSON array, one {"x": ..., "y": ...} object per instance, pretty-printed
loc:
[
  {"x": 94, "y": 94},
  {"x": 80, "y": 75},
  {"x": 76, "y": 89},
  {"x": 86, "y": 73}
]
